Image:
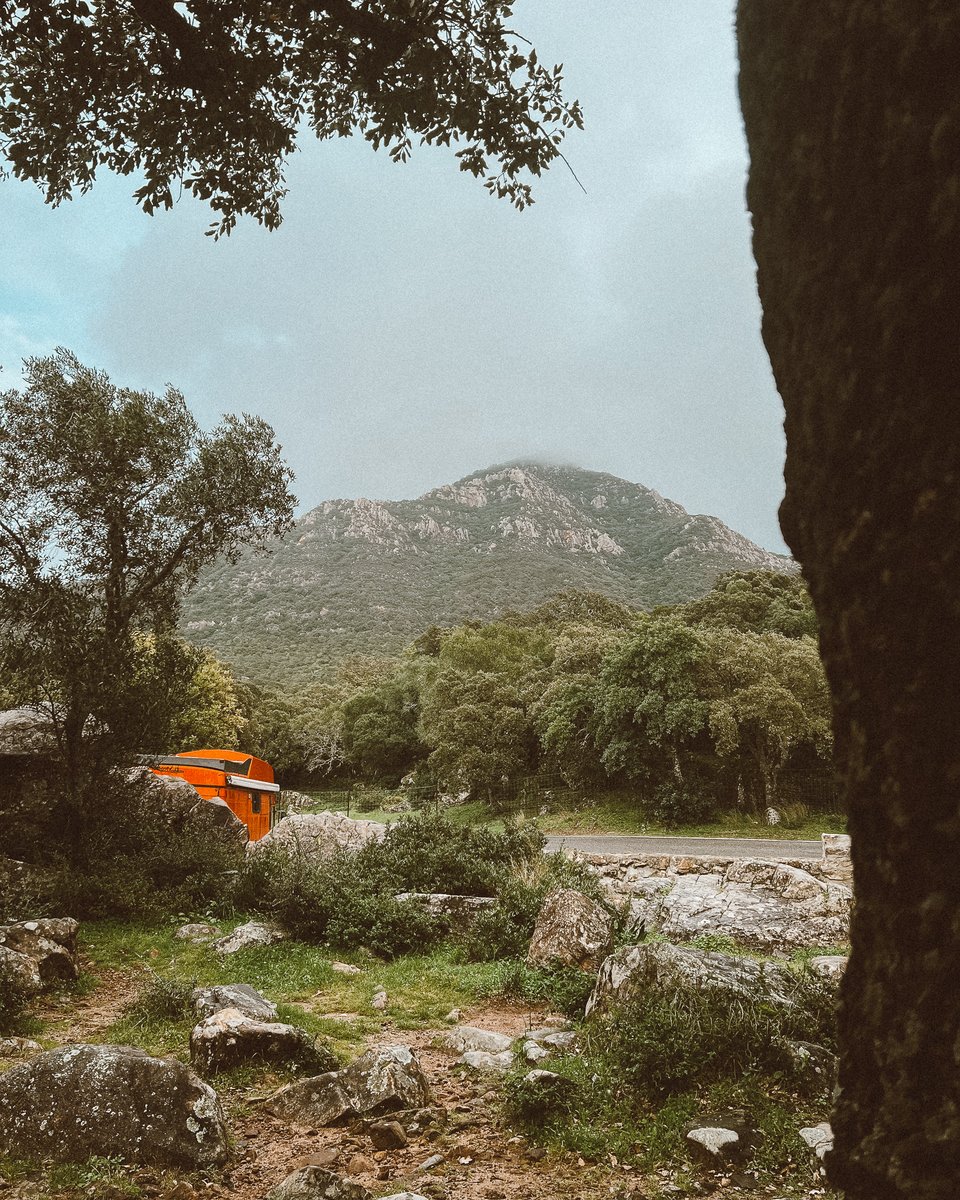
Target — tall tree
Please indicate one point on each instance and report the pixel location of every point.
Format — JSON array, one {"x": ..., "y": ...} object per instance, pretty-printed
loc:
[
  {"x": 209, "y": 95},
  {"x": 111, "y": 502},
  {"x": 853, "y": 119}
]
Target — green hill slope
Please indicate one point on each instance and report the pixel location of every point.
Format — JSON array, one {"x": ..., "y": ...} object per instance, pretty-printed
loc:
[{"x": 365, "y": 576}]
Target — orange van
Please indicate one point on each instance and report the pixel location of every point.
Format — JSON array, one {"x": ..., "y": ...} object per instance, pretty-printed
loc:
[{"x": 244, "y": 783}]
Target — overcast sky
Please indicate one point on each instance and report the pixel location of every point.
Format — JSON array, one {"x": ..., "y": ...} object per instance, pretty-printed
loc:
[{"x": 403, "y": 329}]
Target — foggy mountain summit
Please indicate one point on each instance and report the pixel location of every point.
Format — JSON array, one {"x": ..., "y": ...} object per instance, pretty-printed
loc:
[{"x": 368, "y": 576}]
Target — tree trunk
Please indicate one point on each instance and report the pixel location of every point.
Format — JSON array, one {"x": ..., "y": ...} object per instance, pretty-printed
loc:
[{"x": 852, "y": 111}]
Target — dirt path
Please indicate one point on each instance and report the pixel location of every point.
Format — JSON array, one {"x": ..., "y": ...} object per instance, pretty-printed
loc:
[
  {"x": 68, "y": 1017},
  {"x": 482, "y": 1160}
]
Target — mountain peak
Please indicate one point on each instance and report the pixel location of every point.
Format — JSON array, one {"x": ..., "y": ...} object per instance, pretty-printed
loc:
[{"x": 368, "y": 576}]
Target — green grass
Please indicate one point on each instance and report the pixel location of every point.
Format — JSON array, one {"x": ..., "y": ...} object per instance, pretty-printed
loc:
[
  {"x": 421, "y": 990},
  {"x": 619, "y": 818},
  {"x": 619, "y": 815}
]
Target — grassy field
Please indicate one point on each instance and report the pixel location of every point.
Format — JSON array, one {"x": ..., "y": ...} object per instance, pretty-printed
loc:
[{"x": 618, "y": 814}]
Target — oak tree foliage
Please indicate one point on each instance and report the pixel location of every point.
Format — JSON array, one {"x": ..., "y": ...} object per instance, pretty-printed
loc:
[
  {"x": 209, "y": 96},
  {"x": 111, "y": 502}
]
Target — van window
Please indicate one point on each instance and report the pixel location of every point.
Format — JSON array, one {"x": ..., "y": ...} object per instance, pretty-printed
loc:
[{"x": 255, "y": 802}]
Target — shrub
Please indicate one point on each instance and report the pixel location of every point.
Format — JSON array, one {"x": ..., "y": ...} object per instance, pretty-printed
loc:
[
  {"x": 348, "y": 899},
  {"x": 13, "y": 1000},
  {"x": 564, "y": 989},
  {"x": 504, "y": 930},
  {"x": 670, "y": 1038}
]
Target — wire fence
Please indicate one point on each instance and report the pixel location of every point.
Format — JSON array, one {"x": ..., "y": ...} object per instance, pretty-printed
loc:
[{"x": 540, "y": 796}]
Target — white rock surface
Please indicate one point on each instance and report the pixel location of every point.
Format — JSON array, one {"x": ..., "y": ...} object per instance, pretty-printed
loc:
[
  {"x": 655, "y": 964},
  {"x": 819, "y": 1138},
  {"x": 252, "y": 933},
  {"x": 316, "y": 836},
  {"x": 467, "y": 1037}
]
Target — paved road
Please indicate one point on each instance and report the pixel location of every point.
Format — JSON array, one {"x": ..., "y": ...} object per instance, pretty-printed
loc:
[{"x": 726, "y": 847}]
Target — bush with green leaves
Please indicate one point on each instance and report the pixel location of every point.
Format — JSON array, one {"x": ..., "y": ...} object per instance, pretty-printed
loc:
[
  {"x": 349, "y": 898},
  {"x": 138, "y": 860},
  {"x": 643, "y": 1069},
  {"x": 13, "y": 1000}
]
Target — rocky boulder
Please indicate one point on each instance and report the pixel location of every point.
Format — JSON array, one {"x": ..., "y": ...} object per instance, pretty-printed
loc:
[
  {"x": 571, "y": 931},
  {"x": 37, "y": 954},
  {"x": 241, "y": 996},
  {"x": 317, "y": 1183},
  {"x": 379, "y": 1081},
  {"x": 316, "y": 836},
  {"x": 199, "y": 933},
  {"x": 657, "y": 964},
  {"x": 759, "y": 903},
  {"x": 182, "y": 805},
  {"x": 78, "y": 1102},
  {"x": 230, "y": 1038},
  {"x": 251, "y": 933}
]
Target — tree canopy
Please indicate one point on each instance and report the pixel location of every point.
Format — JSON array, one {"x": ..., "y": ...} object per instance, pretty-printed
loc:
[
  {"x": 210, "y": 95},
  {"x": 111, "y": 502}
]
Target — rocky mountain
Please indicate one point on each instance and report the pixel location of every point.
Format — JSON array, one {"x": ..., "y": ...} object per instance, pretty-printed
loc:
[{"x": 368, "y": 576}]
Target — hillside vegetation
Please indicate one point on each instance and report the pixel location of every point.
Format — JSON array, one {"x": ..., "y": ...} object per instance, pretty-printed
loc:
[{"x": 367, "y": 577}]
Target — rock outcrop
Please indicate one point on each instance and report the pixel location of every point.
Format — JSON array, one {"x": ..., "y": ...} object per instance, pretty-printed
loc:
[
  {"x": 78, "y": 1102},
  {"x": 761, "y": 903},
  {"x": 658, "y": 964},
  {"x": 251, "y": 933}
]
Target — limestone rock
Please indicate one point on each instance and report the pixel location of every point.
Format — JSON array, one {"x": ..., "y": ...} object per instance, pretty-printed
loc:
[
  {"x": 533, "y": 1052},
  {"x": 229, "y": 1038},
  {"x": 405, "y": 1196},
  {"x": 316, "y": 836},
  {"x": 252, "y": 933},
  {"x": 379, "y": 1081},
  {"x": 571, "y": 930},
  {"x": 655, "y": 964},
  {"x": 241, "y": 996},
  {"x": 40, "y": 953},
  {"x": 829, "y": 966},
  {"x": 714, "y": 1143},
  {"x": 720, "y": 1137},
  {"x": 182, "y": 805},
  {"x": 819, "y": 1138},
  {"x": 760, "y": 903},
  {"x": 484, "y": 1060},
  {"x": 317, "y": 1183},
  {"x": 110, "y": 1101},
  {"x": 465, "y": 1037}
]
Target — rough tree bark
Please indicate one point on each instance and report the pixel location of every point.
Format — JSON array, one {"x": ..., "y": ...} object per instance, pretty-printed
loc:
[{"x": 852, "y": 109}]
